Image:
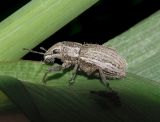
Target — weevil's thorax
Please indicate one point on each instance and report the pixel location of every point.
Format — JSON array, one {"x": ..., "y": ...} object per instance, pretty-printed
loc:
[{"x": 71, "y": 51}]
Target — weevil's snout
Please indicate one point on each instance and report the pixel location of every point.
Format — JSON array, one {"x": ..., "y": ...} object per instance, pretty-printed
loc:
[
  {"x": 51, "y": 55},
  {"x": 49, "y": 59}
]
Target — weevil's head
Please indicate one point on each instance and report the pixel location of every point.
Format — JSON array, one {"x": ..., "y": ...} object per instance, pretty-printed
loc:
[{"x": 54, "y": 52}]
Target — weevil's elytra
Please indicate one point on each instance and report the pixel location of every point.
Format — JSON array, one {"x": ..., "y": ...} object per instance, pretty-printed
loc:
[
  {"x": 94, "y": 59},
  {"x": 93, "y": 56}
]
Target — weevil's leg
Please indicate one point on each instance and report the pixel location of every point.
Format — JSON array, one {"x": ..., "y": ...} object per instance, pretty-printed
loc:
[
  {"x": 51, "y": 69},
  {"x": 104, "y": 80},
  {"x": 66, "y": 65},
  {"x": 74, "y": 72}
]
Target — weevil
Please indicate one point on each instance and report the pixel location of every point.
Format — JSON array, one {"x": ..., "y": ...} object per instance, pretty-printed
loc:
[{"x": 92, "y": 59}]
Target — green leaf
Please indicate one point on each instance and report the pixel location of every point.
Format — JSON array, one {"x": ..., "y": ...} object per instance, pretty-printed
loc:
[
  {"x": 140, "y": 46},
  {"x": 79, "y": 103},
  {"x": 92, "y": 102},
  {"x": 35, "y": 22},
  {"x": 20, "y": 96},
  {"x": 87, "y": 99}
]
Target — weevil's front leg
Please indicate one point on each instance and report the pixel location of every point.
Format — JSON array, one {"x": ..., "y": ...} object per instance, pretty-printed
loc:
[
  {"x": 51, "y": 69},
  {"x": 66, "y": 65},
  {"x": 74, "y": 72},
  {"x": 104, "y": 81}
]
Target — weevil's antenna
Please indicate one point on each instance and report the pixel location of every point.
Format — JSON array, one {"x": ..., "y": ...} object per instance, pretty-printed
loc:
[
  {"x": 33, "y": 51},
  {"x": 42, "y": 48}
]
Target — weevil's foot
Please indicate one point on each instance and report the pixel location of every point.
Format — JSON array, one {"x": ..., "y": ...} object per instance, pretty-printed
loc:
[
  {"x": 71, "y": 82},
  {"x": 44, "y": 81},
  {"x": 109, "y": 88},
  {"x": 111, "y": 92}
]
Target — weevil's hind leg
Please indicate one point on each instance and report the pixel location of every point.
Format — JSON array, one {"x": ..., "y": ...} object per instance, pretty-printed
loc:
[
  {"x": 51, "y": 69},
  {"x": 74, "y": 72},
  {"x": 104, "y": 81}
]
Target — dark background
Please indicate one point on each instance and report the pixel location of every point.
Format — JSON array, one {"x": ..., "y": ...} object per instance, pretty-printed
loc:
[{"x": 103, "y": 21}]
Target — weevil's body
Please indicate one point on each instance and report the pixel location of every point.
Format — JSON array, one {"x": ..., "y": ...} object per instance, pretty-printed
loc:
[
  {"x": 92, "y": 59},
  {"x": 89, "y": 57}
]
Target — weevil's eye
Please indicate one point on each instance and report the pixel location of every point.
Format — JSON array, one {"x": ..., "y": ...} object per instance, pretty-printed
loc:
[{"x": 56, "y": 51}]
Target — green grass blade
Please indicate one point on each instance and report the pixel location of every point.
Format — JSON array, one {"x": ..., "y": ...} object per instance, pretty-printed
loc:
[
  {"x": 16, "y": 91},
  {"x": 78, "y": 102},
  {"x": 140, "y": 46},
  {"x": 35, "y": 22}
]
